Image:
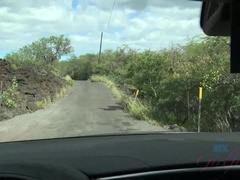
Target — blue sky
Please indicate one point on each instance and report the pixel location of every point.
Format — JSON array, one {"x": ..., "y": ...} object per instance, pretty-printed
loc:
[
  {"x": 75, "y": 4},
  {"x": 142, "y": 24}
]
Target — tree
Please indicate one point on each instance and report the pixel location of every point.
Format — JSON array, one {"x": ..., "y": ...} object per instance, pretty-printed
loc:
[
  {"x": 51, "y": 49},
  {"x": 43, "y": 51},
  {"x": 79, "y": 68},
  {"x": 169, "y": 81}
]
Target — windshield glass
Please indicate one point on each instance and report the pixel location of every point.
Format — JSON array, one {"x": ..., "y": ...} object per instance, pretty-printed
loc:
[{"x": 92, "y": 67}]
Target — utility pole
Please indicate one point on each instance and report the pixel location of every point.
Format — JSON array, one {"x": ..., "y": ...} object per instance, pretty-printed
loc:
[{"x": 100, "y": 50}]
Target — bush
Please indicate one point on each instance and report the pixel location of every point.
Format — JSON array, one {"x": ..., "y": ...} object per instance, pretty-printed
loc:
[
  {"x": 48, "y": 100},
  {"x": 8, "y": 97},
  {"x": 69, "y": 80},
  {"x": 79, "y": 68},
  {"x": 44, "y": 102},
  {"x": 61, "y": 93},
  {"x": 169, "y": 81}
]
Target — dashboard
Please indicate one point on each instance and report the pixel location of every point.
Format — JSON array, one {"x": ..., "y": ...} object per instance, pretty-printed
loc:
[{"x": 131, "y": 156}]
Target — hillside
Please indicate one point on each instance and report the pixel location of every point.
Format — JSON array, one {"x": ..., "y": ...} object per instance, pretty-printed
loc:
[{"x": 25, "y": 93}]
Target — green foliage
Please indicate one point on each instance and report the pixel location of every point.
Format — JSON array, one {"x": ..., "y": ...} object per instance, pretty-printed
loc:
[
  {"x": 116, "y": 92},
  {"x": 62, "y": 92},
  {"x": 51, "y": 49},
  {"x": 8, "y": 97},
  {"x": 69, "y": 80},
  {"x": 44, "y": 102},
  {"x": 79, "y": 68},
  {"x": 169, "y": 81},
  {"x": 48, "y": 100},
  {"x": 43, "y": 57},
  {"x": 41, "y": 54}
]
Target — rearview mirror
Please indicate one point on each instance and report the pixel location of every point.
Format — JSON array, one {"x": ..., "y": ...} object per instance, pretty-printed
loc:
[
  {"x": 215, "y": 18},
  {"x": 222, "y": 18}
]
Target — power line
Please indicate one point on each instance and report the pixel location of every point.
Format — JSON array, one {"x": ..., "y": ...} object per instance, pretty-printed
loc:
[
  {"x": 100, "y": 49},
  {"x": 114, "y": 2}
]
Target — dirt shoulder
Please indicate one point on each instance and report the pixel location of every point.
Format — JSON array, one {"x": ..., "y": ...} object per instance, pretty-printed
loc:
[{"x": 32, "y": 87}]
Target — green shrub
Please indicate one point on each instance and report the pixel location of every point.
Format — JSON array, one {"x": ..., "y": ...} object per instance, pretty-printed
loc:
[
  {"x": 69, "y": 80},
  {"x": 62, "y": 92},
  {"x": 48, "y": 100},
  {"x": 169, "y": 81},
  {"x": 44, "y": 102},
  {"x": 8, "y": 97}
]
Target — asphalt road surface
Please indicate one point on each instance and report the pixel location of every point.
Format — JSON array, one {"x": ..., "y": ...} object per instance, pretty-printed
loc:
[{"x": 89, "y": 109}]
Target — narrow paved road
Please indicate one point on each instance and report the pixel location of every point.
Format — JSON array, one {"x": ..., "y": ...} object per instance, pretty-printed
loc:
[{"x": 89, "y": 109}]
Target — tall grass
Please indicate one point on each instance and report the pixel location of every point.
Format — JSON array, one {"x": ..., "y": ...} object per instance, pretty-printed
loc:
[
  {"x": 69, "y": 80},
  {"x": 48, "y": 100}
]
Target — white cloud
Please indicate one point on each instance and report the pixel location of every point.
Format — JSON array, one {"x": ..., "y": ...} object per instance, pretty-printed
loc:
[
  {"x": 141, "y": 24},
  {"x": 79, "y": 39}
]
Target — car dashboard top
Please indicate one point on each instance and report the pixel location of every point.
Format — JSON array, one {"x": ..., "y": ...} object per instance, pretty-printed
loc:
[{"x": 133, "y": 156}]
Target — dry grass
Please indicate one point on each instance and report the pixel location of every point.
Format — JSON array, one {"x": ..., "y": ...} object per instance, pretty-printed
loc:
[
  {"x": 69, "y": 80},
  {"x": 135, "y": 107},
  {"x": 44, "y": 102},
  {"x": 48, "y": 100}
]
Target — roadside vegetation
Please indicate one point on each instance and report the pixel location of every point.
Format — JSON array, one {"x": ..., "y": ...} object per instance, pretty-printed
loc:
[
  {"x": 168, "y": 81},
  {"x": 134, "y": 106},
  {"x": 8, "y": 97},
  {"x": 45, "y": 101},
  {"x": 30, "y": 77}
]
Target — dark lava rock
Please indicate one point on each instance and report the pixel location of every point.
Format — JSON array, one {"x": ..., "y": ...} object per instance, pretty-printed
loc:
[{"x": 33, "y": 86}]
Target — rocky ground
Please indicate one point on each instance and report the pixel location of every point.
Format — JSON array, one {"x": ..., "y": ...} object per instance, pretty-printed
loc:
[{"x": 32, "y": 87}]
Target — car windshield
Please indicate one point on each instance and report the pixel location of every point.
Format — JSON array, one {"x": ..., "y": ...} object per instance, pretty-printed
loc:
[{"x": 99, "y": 67}]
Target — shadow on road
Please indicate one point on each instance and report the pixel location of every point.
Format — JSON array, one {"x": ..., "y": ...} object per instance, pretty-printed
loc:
[{"x": 112, "y": 108}]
